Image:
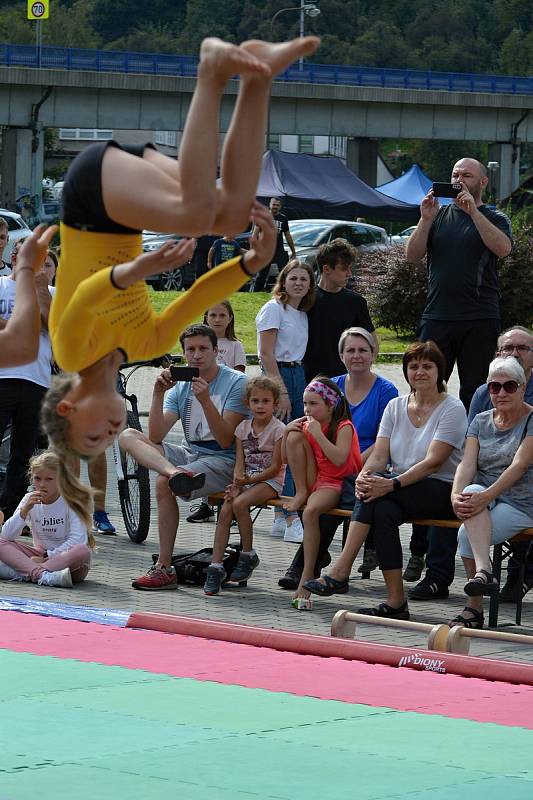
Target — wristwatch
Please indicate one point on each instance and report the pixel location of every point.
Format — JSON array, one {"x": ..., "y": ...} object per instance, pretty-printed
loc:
[{"x": 396, "y": 484}]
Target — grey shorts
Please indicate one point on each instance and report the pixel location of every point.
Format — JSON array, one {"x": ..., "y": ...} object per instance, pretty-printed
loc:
[{"x": 218, "y": 470}]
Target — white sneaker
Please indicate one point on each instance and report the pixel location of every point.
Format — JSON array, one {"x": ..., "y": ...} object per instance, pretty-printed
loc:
[
  {"x": 294, "y": 532},
  {"x": 278, "y": 527},
  {"x": 8, "y": 574},
  {"x": 61, "y": 578}
]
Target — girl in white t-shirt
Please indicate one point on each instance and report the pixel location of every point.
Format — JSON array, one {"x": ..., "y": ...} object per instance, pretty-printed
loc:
[
  {"x": 257, "y": 478},
  {"x": 282, "y": 334},
  {"x": 230, "y": 349},
  {"x": 60, "y": 521}
]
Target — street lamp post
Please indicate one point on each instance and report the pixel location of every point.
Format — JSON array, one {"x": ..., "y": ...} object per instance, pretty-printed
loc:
[{"x": 305, "y": 9}]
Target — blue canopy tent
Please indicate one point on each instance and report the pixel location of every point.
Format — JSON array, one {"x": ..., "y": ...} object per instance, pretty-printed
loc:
[
  {"x": 323, "y": 186},
  {"x": 411, "y": 187}
]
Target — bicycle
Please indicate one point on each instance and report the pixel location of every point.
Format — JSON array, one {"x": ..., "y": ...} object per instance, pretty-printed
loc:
[{"x": 134, "y": 479}]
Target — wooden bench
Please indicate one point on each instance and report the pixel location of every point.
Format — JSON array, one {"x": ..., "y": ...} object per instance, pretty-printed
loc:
[{"x": 501, "y": 551}]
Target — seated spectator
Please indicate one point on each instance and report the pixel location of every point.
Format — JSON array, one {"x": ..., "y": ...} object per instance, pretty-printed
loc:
[
  {"x": 493, "y": 487},
  {"x": 281, "y": 341},
  {"x": 23, "y": 388},
  {"x": 518, "y": 342},
  {"x": 210, "y": 407},
  {"x": 421, "y": 436},
  {"x": 258, "y": 477},
  {"x": 321, "y": 449},
  {"x": 367, "y": 395}
]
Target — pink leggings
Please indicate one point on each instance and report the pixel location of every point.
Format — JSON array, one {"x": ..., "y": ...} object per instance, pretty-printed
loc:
[{"x": 17, "y": 555}]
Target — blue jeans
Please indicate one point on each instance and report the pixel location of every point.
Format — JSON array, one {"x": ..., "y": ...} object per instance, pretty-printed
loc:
[{"x": 295, "y": 383}]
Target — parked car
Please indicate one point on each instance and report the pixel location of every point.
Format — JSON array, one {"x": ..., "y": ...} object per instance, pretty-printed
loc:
[
  {"x": 50, "y": 211},
  {"x": 309, "y": 234},
  {"x": 402, "y": 237},
  {"x": 17, "y": 227},
  {"x": 180, "y": 277},
  {"x": 57, "y": 190}
]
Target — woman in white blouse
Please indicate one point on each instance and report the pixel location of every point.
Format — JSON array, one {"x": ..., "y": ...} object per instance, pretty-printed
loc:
[{"x": 281, "y": 343}]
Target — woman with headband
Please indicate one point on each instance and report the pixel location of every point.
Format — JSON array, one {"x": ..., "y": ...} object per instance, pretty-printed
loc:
[{"x": 320, "y": 448}]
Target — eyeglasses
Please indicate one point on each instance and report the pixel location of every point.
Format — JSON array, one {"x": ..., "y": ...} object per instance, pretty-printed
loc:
[
  {"x": 510, "y": 348},
  {"x": 509, "y": 387}
]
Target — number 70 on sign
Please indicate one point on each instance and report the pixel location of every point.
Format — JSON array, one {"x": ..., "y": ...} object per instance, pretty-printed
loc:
[{"x": 38, "y": 9}]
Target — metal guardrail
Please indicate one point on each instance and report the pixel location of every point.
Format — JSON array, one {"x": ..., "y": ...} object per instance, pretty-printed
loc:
[{"x": 17, "y": 55}]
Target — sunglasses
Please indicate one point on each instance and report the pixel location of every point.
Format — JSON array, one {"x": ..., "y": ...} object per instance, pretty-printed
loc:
[{"x": 509, "y": 387}]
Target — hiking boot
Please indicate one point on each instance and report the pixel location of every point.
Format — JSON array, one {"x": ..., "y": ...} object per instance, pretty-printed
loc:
[
  {"x": 157, "y": 577},
  {"x": 414, "y": 568},
  {"x": 291, "y": 579},
  {"x": 202, "y": 512},
  {"x": 245, "y": 566},
  {"x": 62, "y": 578},
  {"x": 214, "y": 578},
  {"x": 429, "y": 589},
  {"x": 370, "y": 561},
  {"x": 102, "y": 524}
]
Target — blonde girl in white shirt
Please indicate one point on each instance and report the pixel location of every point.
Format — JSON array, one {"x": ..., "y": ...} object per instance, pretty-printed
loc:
[{"x": 60, "y": 520}]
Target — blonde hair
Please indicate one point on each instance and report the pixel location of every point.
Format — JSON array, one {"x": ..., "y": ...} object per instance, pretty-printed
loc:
[
  {"x": 76, "y": 494},
  {"x": 55, "y": 426}
]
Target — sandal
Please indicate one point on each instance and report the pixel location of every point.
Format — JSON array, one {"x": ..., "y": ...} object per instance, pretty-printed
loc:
[
  {"x": 183, "y": 483},
  {"x": 475, "y": 621},
  {"x": 384, "y": 610},
  {"x": 482, "y": 584},
  {"x": 326, "y": 586}
]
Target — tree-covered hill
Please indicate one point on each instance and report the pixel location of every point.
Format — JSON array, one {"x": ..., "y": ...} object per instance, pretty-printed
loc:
[{"x": 450, "y": 35}]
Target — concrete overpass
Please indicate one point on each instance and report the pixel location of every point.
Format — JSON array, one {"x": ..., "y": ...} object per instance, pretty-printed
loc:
[{"x": 34, "y": 98}]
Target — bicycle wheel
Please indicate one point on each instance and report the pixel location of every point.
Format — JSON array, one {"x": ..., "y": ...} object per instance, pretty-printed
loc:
[{"x": 134, "y": 491}]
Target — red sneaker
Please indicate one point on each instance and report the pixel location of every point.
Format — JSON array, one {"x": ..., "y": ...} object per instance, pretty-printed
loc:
[{"x": 157, "y": 578}]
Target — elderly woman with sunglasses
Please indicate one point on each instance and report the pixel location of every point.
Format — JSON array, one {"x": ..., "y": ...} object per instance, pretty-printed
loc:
[{"x": 493, "y": 488}]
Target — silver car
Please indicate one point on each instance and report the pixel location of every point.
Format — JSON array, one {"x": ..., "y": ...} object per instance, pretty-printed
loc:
[
  {"x": 309, "y": 234},
  {"x": 17, "y": 228}
]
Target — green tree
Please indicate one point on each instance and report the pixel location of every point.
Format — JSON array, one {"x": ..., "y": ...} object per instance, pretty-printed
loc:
[
  {"x": 114, "y": 19},
  {"x": 150, "y": 38},
  {"x": 516, "y": 53}
]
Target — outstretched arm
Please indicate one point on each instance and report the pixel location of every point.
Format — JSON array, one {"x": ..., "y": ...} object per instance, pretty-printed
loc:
[{"x": 19, "y": 340}]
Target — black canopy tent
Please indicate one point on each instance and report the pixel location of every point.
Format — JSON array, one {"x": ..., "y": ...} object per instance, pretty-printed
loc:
[{"x": 323, "y": 186}]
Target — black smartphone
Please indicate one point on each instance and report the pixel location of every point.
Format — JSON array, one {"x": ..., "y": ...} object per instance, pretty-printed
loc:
[
  {"x": 184, "y": 373},
  {"x": 446, "y": 189}
]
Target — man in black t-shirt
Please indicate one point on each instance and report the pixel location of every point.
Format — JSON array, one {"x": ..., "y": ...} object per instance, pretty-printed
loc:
[
  {"x": 336, "y": 308},
  {"x": 280, "y": 256},
  {"x": 463, "y": 242}
]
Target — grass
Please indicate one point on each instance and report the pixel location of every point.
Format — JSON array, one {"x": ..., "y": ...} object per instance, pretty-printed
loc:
[{"x": 247, "y": 304}]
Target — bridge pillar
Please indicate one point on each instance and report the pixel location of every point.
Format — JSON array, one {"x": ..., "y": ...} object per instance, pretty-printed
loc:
[
  {"x": 505, "y": 179},
  {"x": 21, "y": 168},
  {"x": 362, "y": 158}
]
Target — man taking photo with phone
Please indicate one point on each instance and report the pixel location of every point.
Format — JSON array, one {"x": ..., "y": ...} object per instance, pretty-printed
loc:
[
  {"x": 463, "y": 242},
  {"x": 210, "y": 406}
]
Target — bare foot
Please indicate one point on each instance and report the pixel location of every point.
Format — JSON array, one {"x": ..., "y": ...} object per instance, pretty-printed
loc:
[
  {"x": 295, "y": 503},
  {"x": 221, "y": 60},
  {"x": 280, "y": 56}
]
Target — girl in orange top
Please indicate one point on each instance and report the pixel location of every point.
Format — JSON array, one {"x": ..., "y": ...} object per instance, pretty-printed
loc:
[{"x": 321, "y": 449}]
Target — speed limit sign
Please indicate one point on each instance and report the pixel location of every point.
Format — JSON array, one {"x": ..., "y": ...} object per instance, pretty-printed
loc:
[{"x": 38, "y": 9}]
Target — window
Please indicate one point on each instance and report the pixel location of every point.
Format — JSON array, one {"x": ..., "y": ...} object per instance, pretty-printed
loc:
[
  {"x": 166, "y": 138},
  {"x": 306, "y": 144},
  {"x": 85, "y": 134},
  {"x": 274, "y": 141}
]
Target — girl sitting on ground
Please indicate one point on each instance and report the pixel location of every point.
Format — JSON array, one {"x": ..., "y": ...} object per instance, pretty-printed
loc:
[
  {"x": 101, "y": 314},
  {"x": 321, "y": 449},
  {"x": 258, "y": 477},
  {"x": 58, "y": 511}
]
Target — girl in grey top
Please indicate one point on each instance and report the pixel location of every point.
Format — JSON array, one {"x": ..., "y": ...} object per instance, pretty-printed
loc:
[{"x": 493, "y": 488}]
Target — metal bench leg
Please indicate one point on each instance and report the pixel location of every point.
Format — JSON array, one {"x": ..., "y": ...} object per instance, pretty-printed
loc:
[{"x": 495, "y": 599}]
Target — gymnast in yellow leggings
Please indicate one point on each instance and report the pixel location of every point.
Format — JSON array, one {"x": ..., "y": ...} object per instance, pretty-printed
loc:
[{"x": 101, "y": 312}]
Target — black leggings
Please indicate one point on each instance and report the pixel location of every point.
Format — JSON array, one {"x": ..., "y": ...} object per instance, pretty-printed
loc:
[{"x": 427, "y": 498}]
